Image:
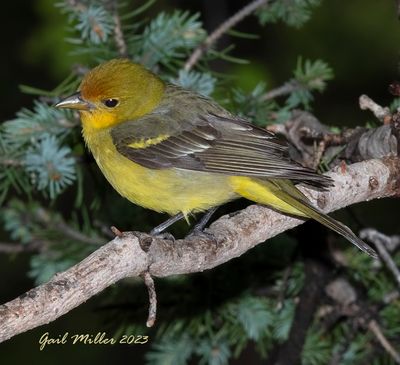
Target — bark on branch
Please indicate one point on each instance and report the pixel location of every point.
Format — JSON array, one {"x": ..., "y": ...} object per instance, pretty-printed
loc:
[{"x": 136, "y": 253}]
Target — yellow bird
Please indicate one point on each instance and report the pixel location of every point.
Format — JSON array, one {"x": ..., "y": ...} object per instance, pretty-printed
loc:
[{"x": 175, "y": 151}]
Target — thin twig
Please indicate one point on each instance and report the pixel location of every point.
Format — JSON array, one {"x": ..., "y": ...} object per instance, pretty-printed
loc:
[
  {"x": 221, "y": 30},
  {"x": 148, "y": 280},
  {"x": 76, "y": 235},
  {"x": 283, "y": 288},
  {"x": 319, "y": 153},
  {"x": 381, "y": 113},
  {"x": 44, "y": 217},
  {"x": 381, "y": 241},
  {"x": 77, "y": 5},
  {"x": 374, "y": 327},
  {"x": 116, "y": 231},
  {"x": 285, "y": 89},
  {"x": 390, "y": 297},
  {"x": 10, "y": 248},
  {"x": 10, "y": 162},
  {"x": 104, "y": 229},
  {"x": 118, "y": 33},
  {"x": 398, "y": 8}
]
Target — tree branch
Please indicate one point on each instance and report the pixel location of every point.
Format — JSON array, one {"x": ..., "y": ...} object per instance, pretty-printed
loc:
[
  {"x": 374, "y": 327},
  {"x": 12, "y": 248},
  {"x": 123, "y": 256},
  {"x": 285, "y": 89},
  {"x": 381, "y": 243},
  {"x": 118, "y": 33},
  {"x": 60, "y": 225},
  {"x": 381, "y": 113},
  {"x": 221, "y": 30},
  {"x": 10, "y": 162}
]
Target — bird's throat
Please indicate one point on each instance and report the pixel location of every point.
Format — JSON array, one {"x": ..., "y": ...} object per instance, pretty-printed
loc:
[{"x": 98, "y": 119}]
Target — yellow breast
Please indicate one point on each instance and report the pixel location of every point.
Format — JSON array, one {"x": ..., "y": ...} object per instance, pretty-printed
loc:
[{"x": 164, "y": 190}]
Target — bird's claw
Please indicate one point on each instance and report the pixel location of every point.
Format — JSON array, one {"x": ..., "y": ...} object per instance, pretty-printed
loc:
[
  {"x": 164, "y": 236},
  {"x": 195, "y": 232}
]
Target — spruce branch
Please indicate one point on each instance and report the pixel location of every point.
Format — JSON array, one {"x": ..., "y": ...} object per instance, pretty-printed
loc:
[
  {"x": 92, "y": 20},
  {"x": 308, "y": 76},
  {"x": 292, "y": 12},
  {"x": 168, "y": 38},
  {"x": 221, "y": 30},
  {"x": 124, "y": 257}
]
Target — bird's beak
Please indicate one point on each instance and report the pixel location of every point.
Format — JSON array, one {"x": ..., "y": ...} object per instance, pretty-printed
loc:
[{"x": 74, "y": 101}]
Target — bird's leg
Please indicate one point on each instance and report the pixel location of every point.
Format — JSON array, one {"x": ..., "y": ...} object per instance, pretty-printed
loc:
[
  {"x": 199, "y": 227},
  {"x": 164, "y": 225}
]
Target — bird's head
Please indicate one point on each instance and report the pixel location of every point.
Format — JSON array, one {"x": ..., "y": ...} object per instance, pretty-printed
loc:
[{"x": 114, "y": 92}]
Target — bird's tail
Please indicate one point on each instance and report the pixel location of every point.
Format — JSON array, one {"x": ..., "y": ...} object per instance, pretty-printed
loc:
[{"x": 283, "y": 196}]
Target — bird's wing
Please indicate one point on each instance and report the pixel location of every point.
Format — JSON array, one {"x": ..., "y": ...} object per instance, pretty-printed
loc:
[{"x": 209, "y": 142}]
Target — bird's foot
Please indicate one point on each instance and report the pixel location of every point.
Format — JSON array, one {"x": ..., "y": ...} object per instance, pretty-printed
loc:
[
  {"x": 163, "y": 235},
  {"x": 198, "y": 232}
]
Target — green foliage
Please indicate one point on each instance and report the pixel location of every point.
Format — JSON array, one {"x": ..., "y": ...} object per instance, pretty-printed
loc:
[
  {"x": 43, "y": 267},
  {"x": 32, "y": 124},
  {"x": 253, "y": 106},
  {"x": 14, "y": 221},
  {"x": 168, "y": 39},
  {"x": 93, "y": 22},
  {"x": 316, "y": 350},
  {"x": 49, "y": 165},
  {"x": 355, "y": 352},
  {"x": 313, "y": 75},
  {"x": 293, "y": 12},
  {"x": 203, "y": 83},
  {"x": 171, "y": 351},
  {"x": 283, "y": 321},
  {"x": 10, "y": 176},
  {"x": 58, "y": 247},
  {"x": 261, "y": 109},
  {"x": 213, "y": 353},
  {"x": 395, "y": 105},
  {"x": 390, "y": 315},
  {"x": 308, "y": 77},
  {"x": 218, "y": 335},
  {"x": 254, "y": 315},
  {"x": 294, "y": 283},
  {"x": 371, "y": 277},
  {"x": 31, "y": 148}
]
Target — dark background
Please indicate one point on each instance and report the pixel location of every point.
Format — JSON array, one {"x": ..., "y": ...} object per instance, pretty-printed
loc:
[{"x": 359, "y": 39}]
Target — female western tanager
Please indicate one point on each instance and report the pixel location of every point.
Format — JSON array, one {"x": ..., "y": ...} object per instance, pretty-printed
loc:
[{"x": 172, "y": 150}]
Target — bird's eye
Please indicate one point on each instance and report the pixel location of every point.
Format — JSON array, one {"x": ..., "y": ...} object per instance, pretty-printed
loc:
[{"x": 110, "y": 103}]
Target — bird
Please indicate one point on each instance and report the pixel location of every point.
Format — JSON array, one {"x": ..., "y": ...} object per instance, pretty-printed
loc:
[{"x": 172, "y": 150}]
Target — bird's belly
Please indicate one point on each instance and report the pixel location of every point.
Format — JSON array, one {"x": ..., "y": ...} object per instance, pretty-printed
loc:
[{"x": 165, "y": 190}]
